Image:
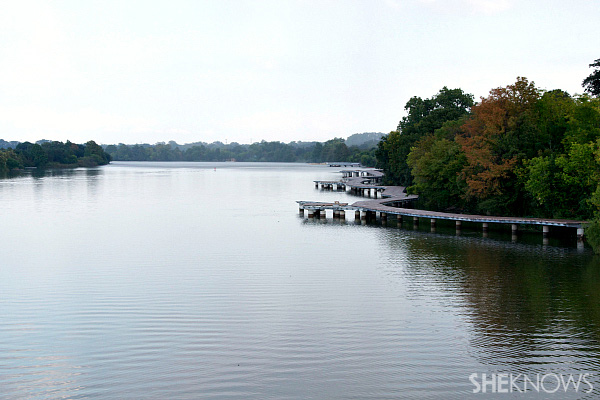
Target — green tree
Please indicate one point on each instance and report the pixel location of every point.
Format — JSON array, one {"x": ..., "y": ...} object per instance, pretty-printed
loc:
[
  {"x": 390, "y": 151},
  {"x": 563, "y": 185},
  {"x": 436, "y": 163},
  {"x": 563, "y": 178},
  {"x": 553, "y": 111},
  {"x": 591, "y": 84},
  {"x": 9, "y": 160},
  {"x": 39, "y": 156},
  {"x": 94, "y": 153},
  {"x": 423, "y": 118},
  {"x": 317, "y": 153},
  {"x": 583, "y": 124},
  {"x": 335, "y": 150}
]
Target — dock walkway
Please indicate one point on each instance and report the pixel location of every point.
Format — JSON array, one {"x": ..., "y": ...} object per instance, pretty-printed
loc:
[{"x": 393, "y": 201}]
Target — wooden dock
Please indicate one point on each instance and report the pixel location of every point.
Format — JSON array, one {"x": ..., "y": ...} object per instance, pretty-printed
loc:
[{"x": 394, "y": 201}]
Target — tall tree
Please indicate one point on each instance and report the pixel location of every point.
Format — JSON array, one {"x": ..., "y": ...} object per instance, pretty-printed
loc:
[
  {"x": 561, "y": 181},
  {"x": 94, "y": 152},
  {"x": 500, "y": 135},
  {"x": 436, "y": 162},
  {"x": 591, "y": 84},
  {"x": 424, "y": 117}
]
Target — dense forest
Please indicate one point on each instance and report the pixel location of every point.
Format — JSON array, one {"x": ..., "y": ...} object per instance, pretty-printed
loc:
[
  {"x": 334, "y": 150},
  {"x": 520, "y": 151},
  {"x": 52, "y": 154}
]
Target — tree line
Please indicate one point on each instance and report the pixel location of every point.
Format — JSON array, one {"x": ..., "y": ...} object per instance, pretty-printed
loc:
[
  {"x": 52, "y": 154},
  {"x": 334, "y": 150},
  {"x": 520, "y": 151},
  {"x": 15, "y": 155}
]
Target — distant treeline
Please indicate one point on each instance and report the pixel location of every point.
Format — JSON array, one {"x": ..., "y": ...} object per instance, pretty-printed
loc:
[
  {"x": 334, "y": 150},
  {"x": 52, "y": 154}
]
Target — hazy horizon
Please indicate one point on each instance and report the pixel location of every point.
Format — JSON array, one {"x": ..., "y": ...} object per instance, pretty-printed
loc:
[
  {"x": 247, "y": 71},
  {"x": 189, "y": 143}
]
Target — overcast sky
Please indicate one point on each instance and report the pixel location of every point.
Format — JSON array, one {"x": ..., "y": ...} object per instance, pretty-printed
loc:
[{"x": 148, "y": 71}]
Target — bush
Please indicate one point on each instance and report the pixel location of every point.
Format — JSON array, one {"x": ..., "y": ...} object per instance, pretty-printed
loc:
[
  {"x": 88, "y": 162},
  {"x": 592, "y": 234}
]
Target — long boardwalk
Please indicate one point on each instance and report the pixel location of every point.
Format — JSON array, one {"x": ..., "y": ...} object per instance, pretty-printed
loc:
[{"x": 393, "y": 201}]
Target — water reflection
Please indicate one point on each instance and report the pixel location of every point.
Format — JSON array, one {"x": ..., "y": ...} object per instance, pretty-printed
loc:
[
  {"x": 40, "y": 173},
  {"x": 528, "y": 308}
]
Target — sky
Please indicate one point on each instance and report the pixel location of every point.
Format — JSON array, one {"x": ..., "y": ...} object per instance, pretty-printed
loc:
[{"x": 149, "y": 71}]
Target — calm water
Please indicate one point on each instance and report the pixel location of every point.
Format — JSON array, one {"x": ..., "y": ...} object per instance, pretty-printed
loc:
[{"x": 176, "y": 280}]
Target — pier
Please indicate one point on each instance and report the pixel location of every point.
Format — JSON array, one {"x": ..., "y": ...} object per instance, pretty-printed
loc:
[
  {"x": 360, "y": 182},
  {"x": 344, "y": 164},
  {"x": 393, "y": 200}
]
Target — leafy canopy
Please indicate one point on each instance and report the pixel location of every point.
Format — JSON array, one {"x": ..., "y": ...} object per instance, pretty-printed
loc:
[
  {"x": 423, "y": 118},
  {"x": 591, "y": 84}
]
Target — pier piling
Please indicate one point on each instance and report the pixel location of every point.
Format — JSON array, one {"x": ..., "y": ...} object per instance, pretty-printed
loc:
[{"x": 545, "y": 231}]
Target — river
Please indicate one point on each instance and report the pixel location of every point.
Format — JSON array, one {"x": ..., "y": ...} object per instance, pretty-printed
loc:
[{"x": 201, "y": 281}]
